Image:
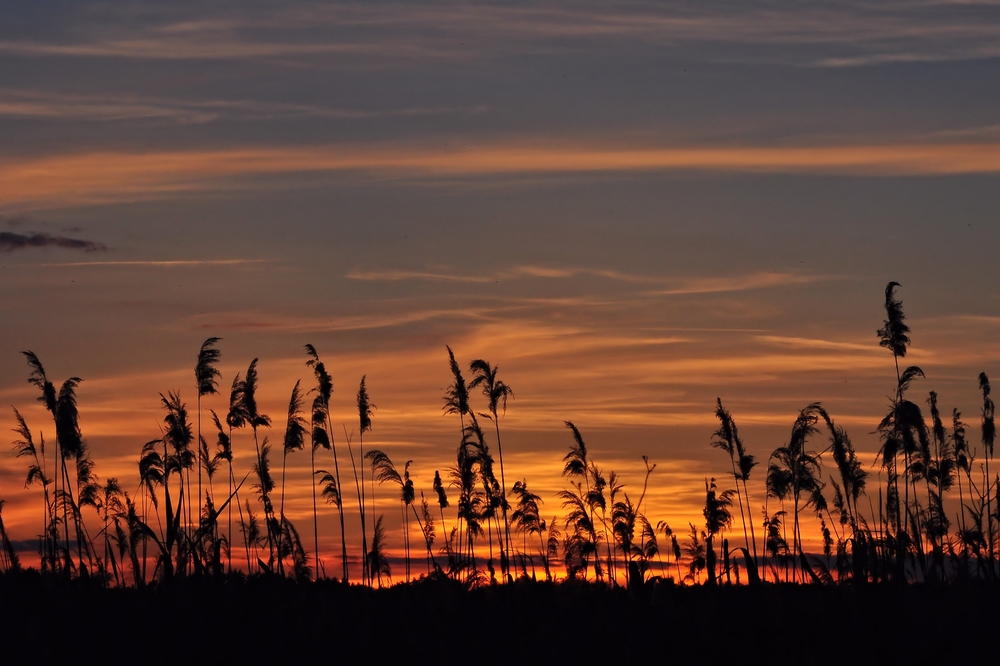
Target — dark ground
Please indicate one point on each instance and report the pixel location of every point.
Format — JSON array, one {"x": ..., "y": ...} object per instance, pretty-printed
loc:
[{"x": 440, "y": 622}]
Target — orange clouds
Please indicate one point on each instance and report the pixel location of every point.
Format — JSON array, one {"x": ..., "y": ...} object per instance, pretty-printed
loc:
[
  {"x": 631, "y": 390},
  {"x": 67, "y": 180}
]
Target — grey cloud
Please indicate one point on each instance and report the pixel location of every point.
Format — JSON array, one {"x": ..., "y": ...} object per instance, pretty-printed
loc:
[
  {"x": 834, "y": 34},
  {"x": 10, "y": 242},
  {"x": 15, "y": 221},
  {"x": 24, "y": 545}
]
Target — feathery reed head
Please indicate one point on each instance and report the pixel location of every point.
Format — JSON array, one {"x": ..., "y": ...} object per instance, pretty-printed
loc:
[
  {"x": 39, "y": 379},
  {"x": 249, "y": 399},
  {"x": 204, "y": 371},
  {"x": 295, "y": 428},
  {"x": 364, "y": 407},
  {"x": 439, "y": 489},
  {"x": 324, "y": 382},
  {"x": 456, "y": 398},
  {"x": 495, "y": 390},
  {"x": 576, "y": 459},
  {"x": 893, "y": 334}
]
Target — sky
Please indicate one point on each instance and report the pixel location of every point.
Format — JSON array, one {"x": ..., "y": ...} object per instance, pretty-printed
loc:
[{"x": 630, "y": 208}]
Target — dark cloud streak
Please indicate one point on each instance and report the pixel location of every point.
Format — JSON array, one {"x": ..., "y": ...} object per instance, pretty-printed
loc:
[{"x": 9, "y": 242}]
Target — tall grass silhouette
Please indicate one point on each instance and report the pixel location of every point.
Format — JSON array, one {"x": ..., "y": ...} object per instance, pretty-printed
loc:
[{"x": 822, "y": 517}]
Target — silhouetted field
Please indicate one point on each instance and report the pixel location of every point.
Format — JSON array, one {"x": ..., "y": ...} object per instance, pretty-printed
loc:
[
  {"x": 187, "y": 520},
  {"x": 440, "y": 621}
]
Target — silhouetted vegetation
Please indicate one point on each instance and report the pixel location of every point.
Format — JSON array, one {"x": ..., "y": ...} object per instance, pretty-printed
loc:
[{"x": 933, "y": 519}]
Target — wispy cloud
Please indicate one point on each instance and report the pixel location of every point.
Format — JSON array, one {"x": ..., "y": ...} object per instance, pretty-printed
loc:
[
  {"x": 761, "y": 280},
  {"x": 28, "y": 104},
  {"x": 979, "y": 319},
  {"x": 401, "y": 275},
  {"x": 257, "y": 321},
  {"x": 160, "y": 264},
  {"x": 175, "y": 49},
  {"x": 97, "y": 108},
  {"x": 669, "y": 286},
  {"x": 813, "y": 343},
  {"x": 395, "y": 275},
  {"x": 10, "y": 241},
  {"x": 101, "y": 177},
  {"x": 832, "y": 34},
  {"x": 981, "y": 52}
]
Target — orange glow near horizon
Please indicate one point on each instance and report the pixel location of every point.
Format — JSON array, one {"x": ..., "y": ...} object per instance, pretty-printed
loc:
[{"x": 543, "y": 364}]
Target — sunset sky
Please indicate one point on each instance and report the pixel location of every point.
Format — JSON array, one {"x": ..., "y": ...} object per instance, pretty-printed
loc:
[{"x": 631, "y": 208}]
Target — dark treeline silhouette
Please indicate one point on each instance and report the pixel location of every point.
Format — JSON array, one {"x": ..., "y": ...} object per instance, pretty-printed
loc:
[{"x": 931, "y": 515}]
